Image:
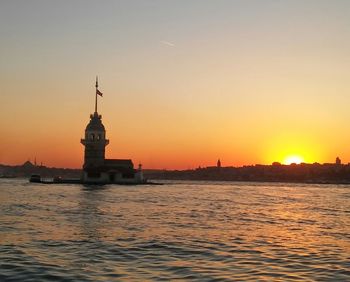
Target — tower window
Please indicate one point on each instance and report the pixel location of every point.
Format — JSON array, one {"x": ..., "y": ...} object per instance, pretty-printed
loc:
[
  {"x": 99, "y": 137},
  {"x": 92, "y": 136}
]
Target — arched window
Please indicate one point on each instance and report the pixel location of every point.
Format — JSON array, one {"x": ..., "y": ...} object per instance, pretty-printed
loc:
[
  {"x": 92, "y": 136},
  {"x": 99, "y": 137}
]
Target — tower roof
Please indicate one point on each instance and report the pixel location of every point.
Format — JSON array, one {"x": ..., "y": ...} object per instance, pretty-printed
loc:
[{"x": 95, "y": 123}]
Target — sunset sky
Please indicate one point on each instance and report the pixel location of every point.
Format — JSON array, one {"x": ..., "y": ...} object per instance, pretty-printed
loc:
[{"x": 184, "y": 82}]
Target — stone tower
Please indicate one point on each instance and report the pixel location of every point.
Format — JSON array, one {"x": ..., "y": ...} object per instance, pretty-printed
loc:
[
  {"x": 95, "y": 139},
  {"x": 95, "y": 142}
]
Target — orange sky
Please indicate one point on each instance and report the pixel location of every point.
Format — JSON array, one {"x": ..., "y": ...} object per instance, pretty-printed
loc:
[{"x": 184, "y": 83}]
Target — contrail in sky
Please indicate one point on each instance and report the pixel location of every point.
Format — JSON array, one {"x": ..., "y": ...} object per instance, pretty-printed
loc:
[{"x": 167, "y": 43}]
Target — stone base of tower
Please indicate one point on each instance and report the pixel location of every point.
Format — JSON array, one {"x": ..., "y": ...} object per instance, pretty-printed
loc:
[
  {"x": 111, "y": 178},
  {"x": 113, "y": 172}
]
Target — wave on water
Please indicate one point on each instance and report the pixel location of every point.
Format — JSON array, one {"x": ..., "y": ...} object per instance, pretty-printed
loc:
[{"x": 198, "y": 231}]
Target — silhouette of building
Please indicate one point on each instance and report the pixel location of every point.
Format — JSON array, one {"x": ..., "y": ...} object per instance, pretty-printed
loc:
[
  {"x": 28, "y": 164},
  {"x": 218, "y": 164},
  {"x": 338, "y": 161},
  {"x": 98, "y": 169}
]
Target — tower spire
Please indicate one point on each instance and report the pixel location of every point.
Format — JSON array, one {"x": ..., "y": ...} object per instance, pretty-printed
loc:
[{"x": 96, "y": 85}]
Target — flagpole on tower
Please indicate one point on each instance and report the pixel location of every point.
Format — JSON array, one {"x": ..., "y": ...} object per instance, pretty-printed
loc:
[{"x": 96, "y": 94}]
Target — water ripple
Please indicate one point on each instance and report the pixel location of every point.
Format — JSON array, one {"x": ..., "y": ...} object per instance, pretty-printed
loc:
[{"x": 194, "y": 231}]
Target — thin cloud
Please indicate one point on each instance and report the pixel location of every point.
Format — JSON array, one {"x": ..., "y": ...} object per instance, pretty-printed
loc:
[{"x": 167, "y": 43}]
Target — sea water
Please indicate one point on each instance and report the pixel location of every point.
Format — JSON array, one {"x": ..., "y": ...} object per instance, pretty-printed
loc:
[{"x": 197, "y": 231}]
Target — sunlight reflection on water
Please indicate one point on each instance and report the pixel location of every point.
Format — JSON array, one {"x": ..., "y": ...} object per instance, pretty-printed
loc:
[{"x": 184, "y": 230}]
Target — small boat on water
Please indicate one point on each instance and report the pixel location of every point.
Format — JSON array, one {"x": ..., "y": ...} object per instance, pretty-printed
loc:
[{"x": 35, "y": 178}]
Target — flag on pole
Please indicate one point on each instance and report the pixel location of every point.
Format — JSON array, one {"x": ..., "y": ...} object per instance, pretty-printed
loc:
[{"x": 99, "y": 93}]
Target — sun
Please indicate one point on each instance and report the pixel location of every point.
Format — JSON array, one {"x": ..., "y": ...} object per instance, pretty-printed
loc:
[{"x": 293, "y": 160}]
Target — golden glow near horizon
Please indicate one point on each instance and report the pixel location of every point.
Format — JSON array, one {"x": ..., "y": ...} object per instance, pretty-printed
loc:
[
  {"x": 293, "y": 160},
  {"x": 249, "y": 82}
]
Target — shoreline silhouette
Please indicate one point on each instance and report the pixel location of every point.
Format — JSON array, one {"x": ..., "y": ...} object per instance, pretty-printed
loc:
[{"x": 327, "y": 173}]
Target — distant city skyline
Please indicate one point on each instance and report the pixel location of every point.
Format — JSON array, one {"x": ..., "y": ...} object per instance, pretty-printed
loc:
[{"x": 184, "y": 83}]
